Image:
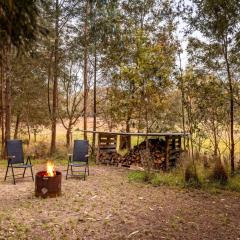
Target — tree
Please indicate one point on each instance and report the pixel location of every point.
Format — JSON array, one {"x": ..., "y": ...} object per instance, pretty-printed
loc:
[
  {"x": 71, "y": 99},
  {"x": 18, "y": 28},
  {"x": 60, "y": 15},
  {"x": 29, "y": 95},
  {"x": 218, "y": 21},
  {"x": 121, "y": 60},
  {"x": 205, "y": 103}
]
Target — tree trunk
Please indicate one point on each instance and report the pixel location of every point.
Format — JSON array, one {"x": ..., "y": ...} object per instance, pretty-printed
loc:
[
  {"x": 215, "y": 145},
  {"x": 128, "y": 139},
  {"x": 232, "y": 143},
  {"x": 8, "y": 96},
  {"x": 182, "y": 104},
  {"x": 94, "y": 101},
  {"x": 17, "y": 126},
  {"x": 85, "y": 70},
  {"x": 35, "y": 134},
  {"x": 29, "y": 133},
  {"x": 68, "y": 136},
  {"x": 55, "y": 81},
  {"x": 2, "y": 104}
]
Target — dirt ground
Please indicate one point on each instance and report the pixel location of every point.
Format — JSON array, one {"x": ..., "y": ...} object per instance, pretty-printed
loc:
[{"x": 107, "y": 206}]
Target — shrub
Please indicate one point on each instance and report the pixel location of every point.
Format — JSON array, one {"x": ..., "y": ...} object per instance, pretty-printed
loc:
[
  {"x": 172, "y": 178},
  {"x": 234, "y": 183},
  {"x": 219, "y": 173},
  {"x": 41, "y": 149},
  {"x": 60, "y": 154},
  {"x": 191, "y": 176},
  {"x": 141, "y": 176}
]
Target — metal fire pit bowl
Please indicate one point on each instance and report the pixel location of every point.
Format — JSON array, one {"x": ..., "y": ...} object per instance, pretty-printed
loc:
[{"x": 46, "y": 186}]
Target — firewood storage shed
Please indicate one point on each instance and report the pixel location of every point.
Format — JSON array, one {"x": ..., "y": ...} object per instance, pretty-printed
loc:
[{"x": 165, "y": 148}]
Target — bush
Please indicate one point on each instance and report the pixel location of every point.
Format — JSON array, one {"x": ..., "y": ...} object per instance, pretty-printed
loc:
[
  {"x": 140, "y": 176},
  {"x": 172, "y": 178},
  {"x": 219, "y": 173},
  {"x": 191, "y": 176},
  {"x": 233, "y": 183},
  {"x": 40, "y": 149}
]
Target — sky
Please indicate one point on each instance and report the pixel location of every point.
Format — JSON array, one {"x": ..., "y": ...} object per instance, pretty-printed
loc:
[{"x": 184, "y": 39}]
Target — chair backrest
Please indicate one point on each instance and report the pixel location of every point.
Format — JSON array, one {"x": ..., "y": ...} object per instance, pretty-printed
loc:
[
  {"x": 14, "y": 148},
  {"x": 80, "y": 150}
]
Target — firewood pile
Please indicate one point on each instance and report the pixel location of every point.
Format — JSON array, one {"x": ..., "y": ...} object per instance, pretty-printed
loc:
[
  {"x": 109, "y": 158},
  {"x": 137, "y": 155},
  {"x": 163, "y": 154},
  {"x": 107, "y": 153}
]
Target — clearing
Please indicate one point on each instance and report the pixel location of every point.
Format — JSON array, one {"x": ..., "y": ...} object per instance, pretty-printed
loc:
[{"x": 108, "y": 206}]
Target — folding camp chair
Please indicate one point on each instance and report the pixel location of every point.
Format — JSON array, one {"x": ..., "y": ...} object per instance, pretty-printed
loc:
[
  {"x": 78, "y": 159},
  {"x": 15, "y": 159}
]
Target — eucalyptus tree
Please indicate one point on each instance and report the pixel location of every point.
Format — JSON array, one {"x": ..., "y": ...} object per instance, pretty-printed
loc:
[
  {"x": 29, "y": 94},
  {"x": 60, "y": 19},
  {"x": 206, "y": 105},
  {"x": 121, "y": 62},
  {"x": 71, "y": 97},
  {"x": 218, "y": 22},
  {"x": 19, "y": 27}
]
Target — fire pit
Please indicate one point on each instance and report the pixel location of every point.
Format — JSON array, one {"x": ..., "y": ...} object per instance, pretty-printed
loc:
[{"x": 48, "y": 183}]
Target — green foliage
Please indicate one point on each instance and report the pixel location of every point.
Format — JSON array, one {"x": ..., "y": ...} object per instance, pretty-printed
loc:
[
  {"x": 233, "y": 183},
  {"x": 138, "y": 59},
  {"x": 173, "y": 178},
  {"x": 217, "y": 53},
  {"x": 177, "y": 178},
  {"x": 140, "y": 176},
  {"x": 29, "y": 92},
  {"x": 19, "y": 22}
]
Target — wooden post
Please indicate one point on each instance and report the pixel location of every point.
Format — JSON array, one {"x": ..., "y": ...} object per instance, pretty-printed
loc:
[
  {"x": 167, "y": 153},
  {"x": 180, "y": 142},
  {"x": 98, "y": 150},
  {"x": 180, "y": 147}
]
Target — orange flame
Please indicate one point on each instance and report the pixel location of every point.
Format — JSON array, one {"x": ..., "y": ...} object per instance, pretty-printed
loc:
[{"x": 50, "y": 169}]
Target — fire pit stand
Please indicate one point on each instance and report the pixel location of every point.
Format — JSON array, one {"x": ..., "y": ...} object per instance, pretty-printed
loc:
[{"x": 48, "y": 186}]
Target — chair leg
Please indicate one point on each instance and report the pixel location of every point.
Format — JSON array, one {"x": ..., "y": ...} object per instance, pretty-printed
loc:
[
  {"x": 88, "y": 169},
  {"x": 67, "y": 171},
  {"x": 14, "y": 182},
  {"x": 24, "y": 172},
  {"x": 71, "y": 170},
  {"x": 85, "y": 171},
  {"x": 32, "y": 174},
  {"x": 6, "y": 173}
]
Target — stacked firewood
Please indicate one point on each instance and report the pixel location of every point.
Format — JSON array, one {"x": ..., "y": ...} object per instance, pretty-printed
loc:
[
  {"x": 109, "y": 158},
  {"x": 153, "y": 157},
  {"x": 137, "y": 155}
]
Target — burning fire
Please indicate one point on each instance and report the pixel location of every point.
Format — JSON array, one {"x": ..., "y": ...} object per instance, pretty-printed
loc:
[{"x": 50, "y": 169}]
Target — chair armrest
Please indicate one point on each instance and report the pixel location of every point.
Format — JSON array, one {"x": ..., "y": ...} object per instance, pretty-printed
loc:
[
  {"x": 87, "y": 155},
  {"x": 69, "y": 154},
  {"x": 10, "y": 158}
]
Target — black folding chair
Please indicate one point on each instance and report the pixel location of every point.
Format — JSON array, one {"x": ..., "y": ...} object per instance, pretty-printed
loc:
[
  {"x": 78, "y": 159},
  {"x": 15, "y": 159}
]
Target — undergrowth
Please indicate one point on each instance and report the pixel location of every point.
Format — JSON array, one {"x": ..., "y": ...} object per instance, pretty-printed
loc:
[{"x": 201, "y": 179}]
